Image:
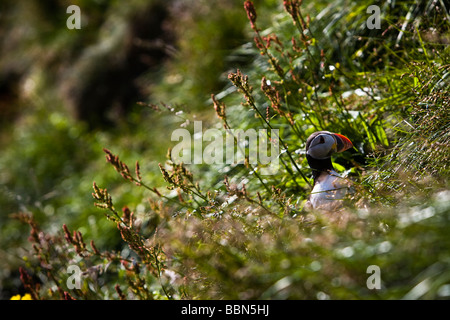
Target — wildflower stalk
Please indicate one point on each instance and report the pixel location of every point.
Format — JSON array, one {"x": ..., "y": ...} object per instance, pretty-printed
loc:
[
  {"x": 275, "y": 99},
  {"x": 241, "y": 82},
  {"x": 124, "y": 171},
  {"x": 220, "y": 110},
  {"x": 134, "y": 239},
  {"x": 259, "y": 40},
  {"x": 293, "y": 8},
  {"x": 242, "y": 193},
  {"x": 181, "y": 178}
]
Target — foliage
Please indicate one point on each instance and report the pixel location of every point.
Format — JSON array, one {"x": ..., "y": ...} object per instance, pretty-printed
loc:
[{"x": 230, "y": 232}]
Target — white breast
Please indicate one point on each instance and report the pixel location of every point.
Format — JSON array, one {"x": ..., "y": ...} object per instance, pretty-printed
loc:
[{"x": 329, "y": 191}]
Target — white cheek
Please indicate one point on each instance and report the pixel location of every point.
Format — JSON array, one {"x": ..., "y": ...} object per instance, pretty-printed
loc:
[
  {"x": 322, "y": 150},
  {"x": 319, "y": 151}
]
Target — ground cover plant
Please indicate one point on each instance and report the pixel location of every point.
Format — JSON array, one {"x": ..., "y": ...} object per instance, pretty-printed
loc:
[{"x": 231, "y": 231}]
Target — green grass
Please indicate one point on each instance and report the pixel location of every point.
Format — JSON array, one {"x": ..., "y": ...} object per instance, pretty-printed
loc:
[{"x": 228, "y": 232}]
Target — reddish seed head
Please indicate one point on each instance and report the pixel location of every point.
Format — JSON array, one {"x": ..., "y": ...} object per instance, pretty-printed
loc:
[{"x": 251, "y": 13}]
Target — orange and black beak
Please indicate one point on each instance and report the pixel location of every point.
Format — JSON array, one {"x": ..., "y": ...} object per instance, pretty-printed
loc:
[{"x": 342, "y": 142}]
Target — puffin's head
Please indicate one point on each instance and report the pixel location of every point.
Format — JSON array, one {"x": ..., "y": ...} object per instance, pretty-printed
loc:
[{"x": 322, "y": 144}]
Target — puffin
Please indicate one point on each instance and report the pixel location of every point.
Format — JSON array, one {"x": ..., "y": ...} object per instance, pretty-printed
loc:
[{"x": 329, "y": 188}]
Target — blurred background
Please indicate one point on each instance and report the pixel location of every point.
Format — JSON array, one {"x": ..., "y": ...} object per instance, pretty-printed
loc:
[{"x": 67, "y": 94}]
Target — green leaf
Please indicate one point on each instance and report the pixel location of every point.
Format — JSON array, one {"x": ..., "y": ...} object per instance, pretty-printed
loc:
[
  {"x": 370, "y": 136},
  {"x": 381, "y": 134}
]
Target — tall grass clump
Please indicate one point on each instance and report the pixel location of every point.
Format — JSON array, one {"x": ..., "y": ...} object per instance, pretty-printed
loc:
[{"x": 231, "y": 232}]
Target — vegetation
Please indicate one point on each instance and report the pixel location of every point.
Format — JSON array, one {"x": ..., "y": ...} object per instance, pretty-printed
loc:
[{"x": 154, "y": 228}]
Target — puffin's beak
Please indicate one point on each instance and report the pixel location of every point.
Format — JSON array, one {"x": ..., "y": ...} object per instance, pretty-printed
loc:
[{"x": 343, "y": 143}]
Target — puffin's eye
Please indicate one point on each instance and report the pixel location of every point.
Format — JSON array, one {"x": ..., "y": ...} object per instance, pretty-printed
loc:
[{"x": 322, "y": 139}]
